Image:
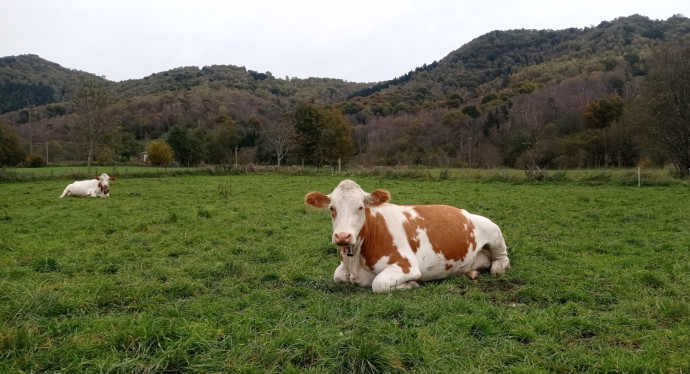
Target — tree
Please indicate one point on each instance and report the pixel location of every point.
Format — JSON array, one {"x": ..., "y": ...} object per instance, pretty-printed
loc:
[
  {"x": 306, "y": 120},
  {"x": 665, "y": 103},
  {"x": 93, "y": 122},
  {"x": 178, "y": 139},
  {"x": 324, "y": 135},
  {"x": 11, "y": 152},
  {"x": 160, "y": 153},
  {"x": 601, "y": 113},
  {"x": 336, "y": 137},
  {"x": 224, "y": 140},
  {"x": 280, "y": 139}
]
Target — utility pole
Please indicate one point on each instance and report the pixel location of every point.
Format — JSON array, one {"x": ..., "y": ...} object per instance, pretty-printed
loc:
[{"x": 31, "y": 135}]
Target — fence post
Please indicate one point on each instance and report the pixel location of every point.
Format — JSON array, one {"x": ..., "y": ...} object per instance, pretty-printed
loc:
[{"x": 638, "y": 177}]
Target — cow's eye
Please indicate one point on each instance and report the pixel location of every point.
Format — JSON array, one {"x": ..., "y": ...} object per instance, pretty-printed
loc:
[
  {"x": 332, "y": 209},
  {"x": 361, "y": 208}
]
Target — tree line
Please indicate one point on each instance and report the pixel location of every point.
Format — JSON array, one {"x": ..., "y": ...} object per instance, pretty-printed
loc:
[{"x": 589, "y": 120}]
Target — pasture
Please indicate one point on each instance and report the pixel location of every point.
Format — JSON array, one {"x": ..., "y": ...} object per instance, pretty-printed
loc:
[{"x": 233, "y": 273}]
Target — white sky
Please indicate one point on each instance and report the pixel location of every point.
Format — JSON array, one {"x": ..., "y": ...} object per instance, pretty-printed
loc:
[{"x": 354, "y": 40}]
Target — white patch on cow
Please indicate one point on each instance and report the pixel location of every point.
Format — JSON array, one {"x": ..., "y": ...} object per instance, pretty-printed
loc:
[
  {"x": 97, "y": 187},
  {"x": 353, "y": 269}
]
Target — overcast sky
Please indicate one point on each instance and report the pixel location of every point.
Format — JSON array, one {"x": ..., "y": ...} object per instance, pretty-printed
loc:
[{"x": 354, "y": 40}]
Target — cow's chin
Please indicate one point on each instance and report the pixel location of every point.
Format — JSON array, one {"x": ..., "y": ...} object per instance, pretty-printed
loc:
[{"x": 347, "y": 250}]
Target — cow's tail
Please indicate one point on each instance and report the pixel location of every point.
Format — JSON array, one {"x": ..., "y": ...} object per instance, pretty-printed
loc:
[{"x": 65, "y": 192}]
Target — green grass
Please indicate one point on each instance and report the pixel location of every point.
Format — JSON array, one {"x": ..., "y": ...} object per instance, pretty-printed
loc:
[
  {"x": 82, "y": 172},
  {"x": 233, "y": 273}
]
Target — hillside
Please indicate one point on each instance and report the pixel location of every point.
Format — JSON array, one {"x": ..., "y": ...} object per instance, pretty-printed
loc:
[
  {"x": 513, "y": 98},
  {"x": 502, "y": 60},
  {"x": 29, "y": 80}
]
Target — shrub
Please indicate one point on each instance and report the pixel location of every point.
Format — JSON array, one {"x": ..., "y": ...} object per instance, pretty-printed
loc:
[
  {"x": 160, "y": 153},
  {"x": 35, "y": 160}
]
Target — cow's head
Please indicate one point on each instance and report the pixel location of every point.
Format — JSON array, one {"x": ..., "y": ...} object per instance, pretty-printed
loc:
[
  {"x": 103, "y": 180},
  {"x": 348, "y": 203}
]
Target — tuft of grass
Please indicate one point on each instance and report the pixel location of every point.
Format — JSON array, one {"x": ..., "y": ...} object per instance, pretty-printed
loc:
[
  {"x": 225, "y": 189},
  {"x": 45, "y": 265},
  {"x": 204, "y": 213}
]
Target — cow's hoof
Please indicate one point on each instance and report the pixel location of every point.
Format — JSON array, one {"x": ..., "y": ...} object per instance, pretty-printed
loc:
[
  {"x": 472, "y": 274},
  {"x": 499, "y": 266}
]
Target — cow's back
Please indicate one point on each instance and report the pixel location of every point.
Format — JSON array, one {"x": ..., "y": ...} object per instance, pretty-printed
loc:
[
  {"x": 438, "y": 240},
  {"x": 442, "y": 238}
]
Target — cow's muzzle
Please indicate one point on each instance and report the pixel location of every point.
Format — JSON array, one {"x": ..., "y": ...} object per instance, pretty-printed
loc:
[{"x": 342, "y": 238}]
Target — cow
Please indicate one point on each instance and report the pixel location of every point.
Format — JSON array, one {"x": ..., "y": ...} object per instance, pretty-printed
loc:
[
  {"x": 389, "y": 247},
  {"x": 97, "y": 187}
]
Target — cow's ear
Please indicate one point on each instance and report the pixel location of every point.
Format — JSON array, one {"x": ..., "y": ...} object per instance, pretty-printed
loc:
[
  {"x": 378, "y": 197},
  {"x": 97, "y": 178},
  {"x": 317, "y": 199},
  {"x": 111, "y": 178}
]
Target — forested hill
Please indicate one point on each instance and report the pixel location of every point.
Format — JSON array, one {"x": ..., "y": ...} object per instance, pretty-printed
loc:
[
  {"x": 496, "y": 59},
  {"x": 544, "y": 98},
  {"x": 500, "y": 59},
  {"x": 29, "y": 80}
]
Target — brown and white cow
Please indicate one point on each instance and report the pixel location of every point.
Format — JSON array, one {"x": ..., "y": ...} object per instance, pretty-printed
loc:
[{"x": 388, "y": 246}]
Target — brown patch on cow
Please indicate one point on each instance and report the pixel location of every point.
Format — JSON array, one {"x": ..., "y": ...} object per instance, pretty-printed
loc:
[
  {"x": 450, "y": 232},
  {"x": 377, "y": 242},
  {"x": 317, "y": 199},
  {"x": 379, "y": 197},
  {"x": 449, "y": 266},
  {"x": 410, "y": 227}
]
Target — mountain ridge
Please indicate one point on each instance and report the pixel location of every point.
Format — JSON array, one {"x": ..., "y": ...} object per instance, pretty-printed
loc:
[{"x": 511, "y": 97}]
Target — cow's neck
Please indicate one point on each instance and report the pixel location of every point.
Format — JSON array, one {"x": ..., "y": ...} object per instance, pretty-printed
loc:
[{"x": 375, "y": 240}]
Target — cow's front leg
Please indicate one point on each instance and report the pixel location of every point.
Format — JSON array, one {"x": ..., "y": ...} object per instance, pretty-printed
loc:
[
  {"x": 393, "y": 278},
  {"x": 342, "y": 274},
  {"x": 363, "y": 278}
]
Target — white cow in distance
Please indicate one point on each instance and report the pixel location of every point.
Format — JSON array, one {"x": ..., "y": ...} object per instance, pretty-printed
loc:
[{"x": 97, "y": 187}]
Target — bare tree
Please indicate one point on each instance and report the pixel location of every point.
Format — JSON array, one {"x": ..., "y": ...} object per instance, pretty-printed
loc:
[
  {"x": 280, "y": 138},
  {"x": 665, "y": 101},
  {"x": 93, "y": 119}
]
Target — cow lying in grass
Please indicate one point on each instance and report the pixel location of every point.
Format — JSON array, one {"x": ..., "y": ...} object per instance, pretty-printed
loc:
[
  {"x": 389, "y": 246},
  {"x": 97, "y": 187}
]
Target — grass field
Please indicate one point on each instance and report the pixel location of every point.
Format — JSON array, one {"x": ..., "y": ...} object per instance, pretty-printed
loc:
[{"x": 233, "y": 273}]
